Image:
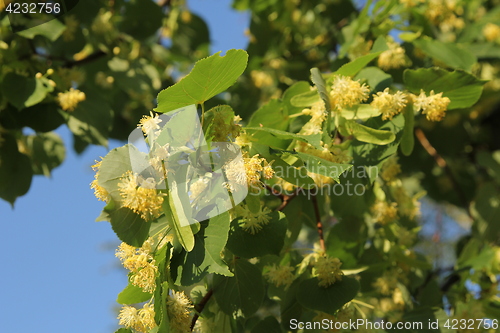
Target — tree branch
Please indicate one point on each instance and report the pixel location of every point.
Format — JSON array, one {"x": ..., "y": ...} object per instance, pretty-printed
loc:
[
  {"x": 90, "y": 58},
  {"x": 441, "y": 162},
  {"x": 319, "y": 224},
  {"x": 200, "y": 306}
]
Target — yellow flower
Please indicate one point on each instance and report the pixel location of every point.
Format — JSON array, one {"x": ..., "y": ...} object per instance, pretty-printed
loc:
[
  {"x": 318, "y": 115},
  {"x": 149, "y": 124},
  {"x": 491, "y": 32},
  {"x": 147, "y": 316},
  {"x": 146, "y": 202},
  {"x": 70, "y": 99},
  {"x": 145, "y": 277},
  {"x": 433, "y": 106},
  {"x": 390, "y": 105},
  {"x": 140, "y": 320},
  {"x": 71, "y": 27},
  {"x": 327, "y": 270},
  {"x": 384, "y": 213},
  {"x": 261, "y": 79},
  {"x": 347, "y": 92},
  {"x": 386, "y": 283},
  {"x": 394, "y": 57},
  {"x": 125, "y": 251},
  {"x": 129, "y": 318},
  {"x": 99, "y": 191},
  {"x": 104, "y": 80},
  {"x": 252, "y": 222},
  {"x": 179, "y": 310},
  {"x": 281, "y": 275},
  {"x": 390, "y": 169}
]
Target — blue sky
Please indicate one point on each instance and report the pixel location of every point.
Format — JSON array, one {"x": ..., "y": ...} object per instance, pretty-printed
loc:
[{"x": 59, "y": 271}]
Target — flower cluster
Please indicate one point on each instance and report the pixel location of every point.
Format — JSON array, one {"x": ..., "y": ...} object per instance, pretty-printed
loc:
[
  {"x": 138, "y": 195},
  {"x": 394, "y": 57},
  {"x": 389, "y": 104},
  {"x": 281, "y": 275},
  {"x": 142, "y": 320},
  {"x": 327, "y": 270},
  {"x": 247, "y": 171},
  {"x": 383, "y": 212},
  {"x": 140, "y": 263},
  {"x": 433, "y": 106},
  {"x": 491, "y": 32},
  {"x": 318, "y": 115},
  {"x": 70, "y": 99},
  {"x": 150, "y": 124},
  {"x": 179, "y": 311},
  {"x": 72, "y": 25},
  {"x": 390, "y": 169},
  {"x": 252, "y": 222},
  {"x": 99, "y": 191},
  {"x": 347, "y": 92}
]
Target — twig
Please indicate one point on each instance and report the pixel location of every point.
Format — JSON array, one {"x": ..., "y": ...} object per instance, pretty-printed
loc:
[
  {"x": 319, "y": 224},
  {"x": 200, "y": 306},
  {"x": 286, "y": 200},
  {"x": 440, "y": 161},
  {"x": 90, "y": 58}
]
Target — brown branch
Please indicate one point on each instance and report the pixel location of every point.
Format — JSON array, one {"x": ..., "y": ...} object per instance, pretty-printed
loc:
[
  {"x": 90, "y": 58},
  {"x": 441, "y": 162},
  {"x": 319, "y": 224},
  {"x": 200, "y": 306},
  {"x": 285, "y": 198}
]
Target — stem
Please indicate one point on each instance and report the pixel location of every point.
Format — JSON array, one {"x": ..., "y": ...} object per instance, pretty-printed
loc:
[
  {"x": 440, "y": 161},
  {"x": 319, "y": 224},
  {"x": 202, "y": 115},
  {"x": 200, "y": 306}
]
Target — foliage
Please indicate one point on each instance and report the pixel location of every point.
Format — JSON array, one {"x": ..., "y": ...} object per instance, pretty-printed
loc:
[{"x": 345, "y": 118}]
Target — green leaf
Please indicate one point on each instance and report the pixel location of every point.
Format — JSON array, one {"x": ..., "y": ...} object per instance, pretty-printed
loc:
[
  {"x": 192, "y": 267},
  {"x": 408, "y": 139},
  {"x": 15, "y": 170},
  {"x": 360, "y": 111},
  {"x": 352, "y": 68},
  {"x": 329, "y": 299},
  {"x": 463, "y": 89},
  {"x": 129, "y": 227},
  {"x": 485, "y": 210},
  {"x": 294, "y": 90},
  {"x": 133, "y": 294},
  {"x": 269, "y": 240},
  {"x": 323, "y": 167},
  {"x": 450, "y": 54},
  {"x": 113, "y": 166},
  {"x": 486, "y": 160},
  {"x": 305, "y": 99},
  {"x": 244, "y": 291},
  {"x": 272, "y": 116},
  {"x": 268, "y": 325},
  {"x": 173, "y": 210},
  {"x": 209, "y": 77},
  {"x": 313, "y": 139},
  {"x": 141, "y": 18},
  {"x": 123, "y": 330},
  {"x": 376, "y": 78},
  {"x": 370, "y": 135},
  {"x": 51, "y": 29},
  {"x": 216, "y": 235},
  {"x": 320, "y": 84},
  {"x": 47, "y": 152},
  {"x": 23, "y": 92},
  {"x": 91, "y": 120}
]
